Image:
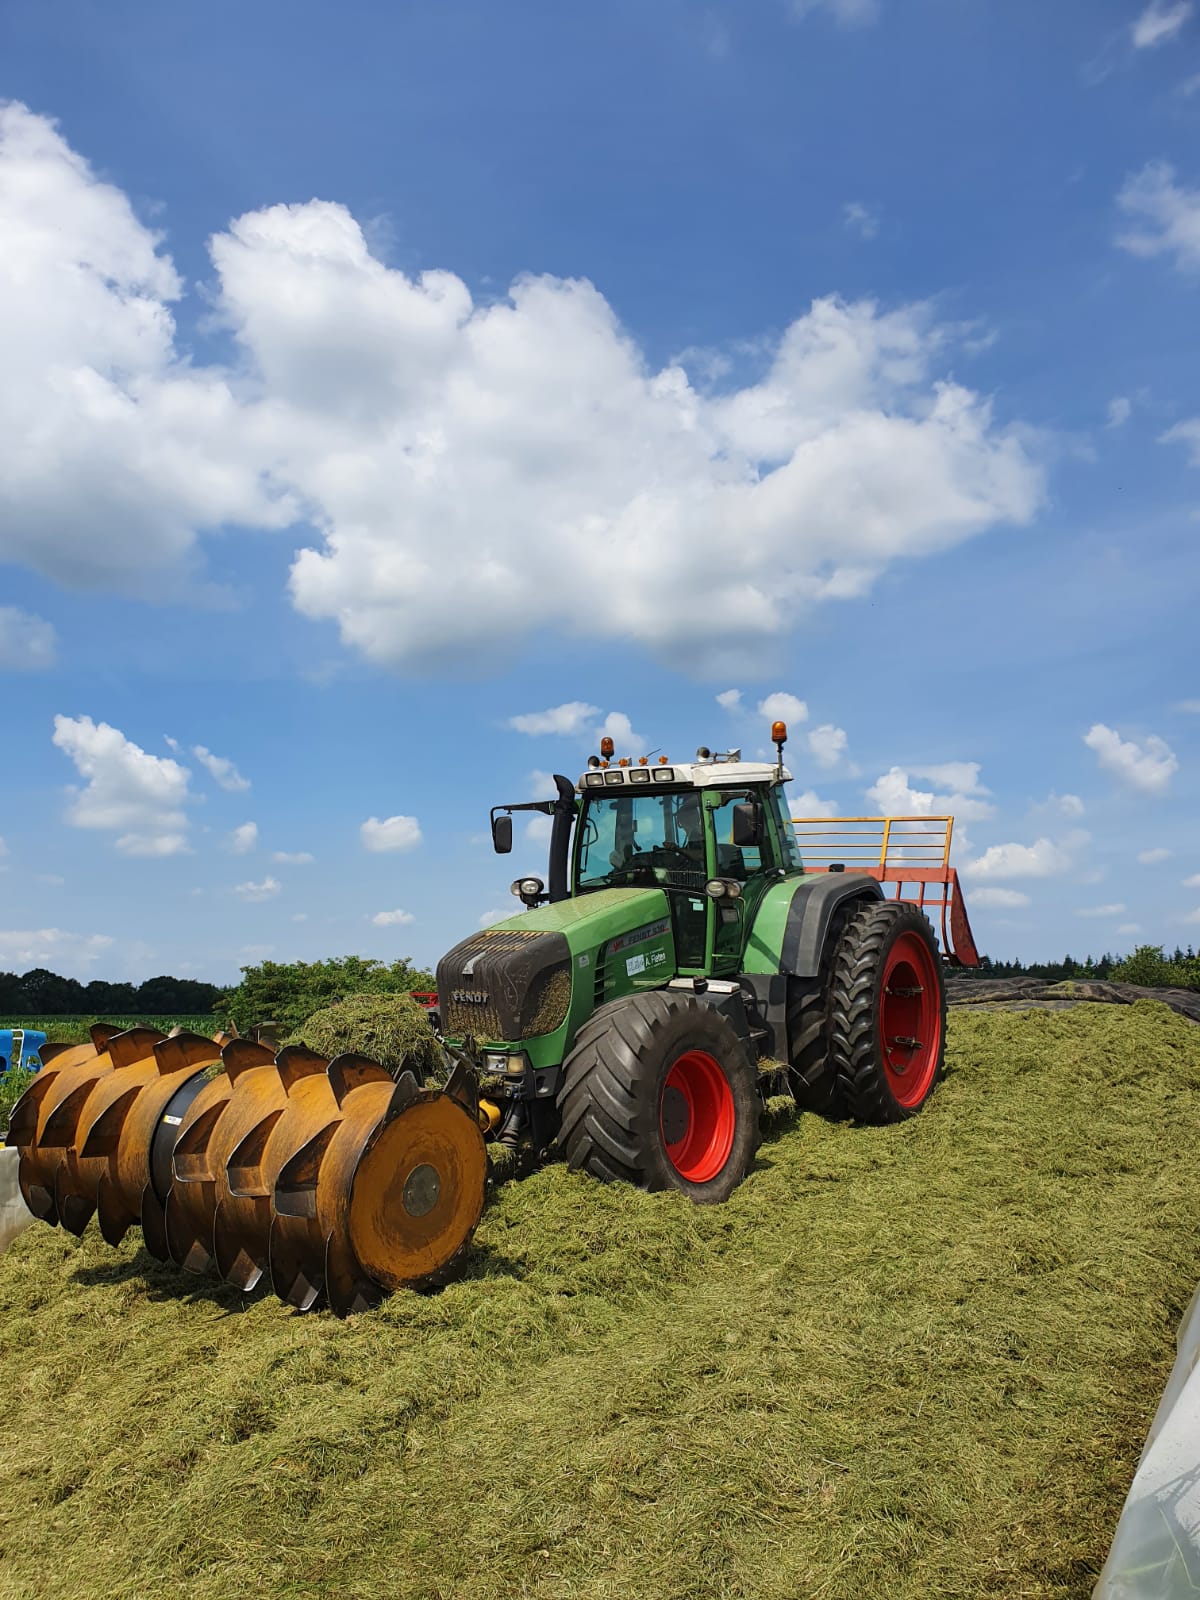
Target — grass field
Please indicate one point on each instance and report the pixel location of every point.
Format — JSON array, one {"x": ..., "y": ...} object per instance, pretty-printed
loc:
[
  {"x": 903, "y": 1362},
  {"x": 74, "y": 1030}
]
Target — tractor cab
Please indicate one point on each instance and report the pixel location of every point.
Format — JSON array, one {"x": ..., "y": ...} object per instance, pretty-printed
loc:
[{"x": 712, "y": 834}]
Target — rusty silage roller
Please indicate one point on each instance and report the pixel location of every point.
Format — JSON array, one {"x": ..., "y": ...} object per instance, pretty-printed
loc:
[{"x": 328, "y": 1176}]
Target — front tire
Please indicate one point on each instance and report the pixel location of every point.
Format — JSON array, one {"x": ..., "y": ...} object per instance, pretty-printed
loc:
[
  {"x": 660, "y": 1092},
  {"x": 887, "y": 1040}
]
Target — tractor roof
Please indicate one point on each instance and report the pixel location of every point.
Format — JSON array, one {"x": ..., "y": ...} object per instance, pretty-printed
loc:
[{"x": 697, "y": 774}]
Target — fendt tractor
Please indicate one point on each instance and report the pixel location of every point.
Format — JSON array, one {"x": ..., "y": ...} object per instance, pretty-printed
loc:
[{"x": 680, "y": 962}]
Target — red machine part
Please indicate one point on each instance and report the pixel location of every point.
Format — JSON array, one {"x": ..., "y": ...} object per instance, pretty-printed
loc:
[{"x": 911, "y": 852}]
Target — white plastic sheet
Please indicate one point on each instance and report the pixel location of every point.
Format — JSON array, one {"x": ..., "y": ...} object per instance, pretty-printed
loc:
[
  {"x": 15, "y": 1216},
  {"x": 1156, "y": 1552}
]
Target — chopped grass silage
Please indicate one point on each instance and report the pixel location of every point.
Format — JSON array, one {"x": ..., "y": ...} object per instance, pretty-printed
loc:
[{"x": 901, "y": 1362}]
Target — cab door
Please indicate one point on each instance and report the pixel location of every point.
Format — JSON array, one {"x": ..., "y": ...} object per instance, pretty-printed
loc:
[{"x": 752, "y": 866}]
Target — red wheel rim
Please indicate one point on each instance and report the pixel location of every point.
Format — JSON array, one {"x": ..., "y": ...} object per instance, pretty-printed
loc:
[
  {"x": 696, "y": 1117},
  {"x": 910, "y": 1019}
]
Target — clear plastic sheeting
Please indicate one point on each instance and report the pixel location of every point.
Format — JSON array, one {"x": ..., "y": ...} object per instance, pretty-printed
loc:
[{"x": 1156, "y": 1552}]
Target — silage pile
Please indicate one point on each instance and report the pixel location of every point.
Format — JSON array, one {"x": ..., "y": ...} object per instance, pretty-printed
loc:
[{"x": 901, "y": 1362}]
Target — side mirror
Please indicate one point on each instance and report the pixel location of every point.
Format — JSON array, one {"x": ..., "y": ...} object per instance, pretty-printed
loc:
[
  {"x": 747, "y": 825},
  {"x": 502, "y": 835}
]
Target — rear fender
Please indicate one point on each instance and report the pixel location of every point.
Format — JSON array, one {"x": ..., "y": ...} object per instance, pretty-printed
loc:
[
  {"x": 793, "y": 919},
  {"x": 786, "y": 941}
]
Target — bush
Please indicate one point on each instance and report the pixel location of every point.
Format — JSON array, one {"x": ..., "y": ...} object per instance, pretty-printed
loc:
[
  {"x": 1153, "y": 969},
  {"x": 13, "y": 1085},
  {"x": 391, "y": 1029},
  {"x": 287, "y": 993}
]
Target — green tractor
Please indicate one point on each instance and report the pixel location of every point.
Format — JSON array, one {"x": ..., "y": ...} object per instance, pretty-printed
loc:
[{"x": 682, "y": 963}]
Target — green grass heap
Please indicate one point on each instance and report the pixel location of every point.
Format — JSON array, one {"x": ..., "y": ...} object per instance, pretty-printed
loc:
[{"x": 901, "y": 1362}]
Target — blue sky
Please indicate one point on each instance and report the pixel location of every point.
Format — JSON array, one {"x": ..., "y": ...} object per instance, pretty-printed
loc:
[{"x": 377, "y": 376}]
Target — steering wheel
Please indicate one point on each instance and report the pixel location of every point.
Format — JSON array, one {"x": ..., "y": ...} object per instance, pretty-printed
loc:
[{"x": 671, "y": 856}]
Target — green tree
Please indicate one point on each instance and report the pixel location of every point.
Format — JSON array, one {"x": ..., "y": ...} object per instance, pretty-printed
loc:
[
  {"x": 1146, "y": 966},
  {"x": 48, "y": 995},
  {"x": 13, "y": 999},
  {"x": 116, "y": 999},
  {"x": 159, "y": 996},
  {"x": 287, "y": 993}
]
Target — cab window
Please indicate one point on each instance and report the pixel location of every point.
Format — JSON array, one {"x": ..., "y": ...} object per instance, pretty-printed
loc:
[
  {"x": 733, "y": 861},
  {"x": 790, "y": 850}
]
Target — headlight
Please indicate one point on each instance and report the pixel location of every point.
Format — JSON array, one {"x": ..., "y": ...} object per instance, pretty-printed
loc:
[
  {"x": 505, "y": 1063},
  {"x": 663, "y": 774},
  {"x": 614, "y": 776},
  {"x": 527, "y": 888},
  {"x": 593, "y": 780},
  {"x": 723, "y": 889},
  {"x": 639, "y": 775}
]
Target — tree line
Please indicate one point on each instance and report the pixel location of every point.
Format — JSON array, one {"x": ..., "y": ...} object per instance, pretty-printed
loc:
[
  {"x": 1149, "y": 965},
  {"x": 41, "y": 993}
]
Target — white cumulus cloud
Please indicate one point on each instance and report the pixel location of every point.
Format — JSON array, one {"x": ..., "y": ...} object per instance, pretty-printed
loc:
[
  {"x": 1119, "y": 410},
  {"x": 810, "y": 804},
  {"x": 827, "y": 744},
  {"x": 266, "y": 890},
  {"x": 893, "y": 794},
  {"x": 1113, "y": 910},
  {"x": 1130, "y": 927},
  {"x": 1148, "y": 766},
  {"x": 994, "y": 899},
  {"x": 1168, "y": 214},
  {"x": 489, "y": 917},
  {"x": 51, "y": 947},
  {"x": 27, "y": 643},
  {"x": 243, "y": 839},
  {"x": 1150, "y": 858},
  {"x": 572, "y": 717},
  {"x": 1160, "y": 21},
  {"x": 1187, "y": 434},
  {"x": 861, "y": 219},
  {"x": 292, "y": 858},
  {"x": 730, "y": 699},
  {"x": 137, "y": 796},
  {"x": 1193, "y": 882},
  {"x": 392, "y": 919},
  {"x": 393, "y": 833},
  {"x": 1044, "y": 858},
  {"x": 781, "y": 707},
  {"x": 460, "y": 460},
  {"x": 117, "y": 449},
  {"x": 221, "y": 770}
]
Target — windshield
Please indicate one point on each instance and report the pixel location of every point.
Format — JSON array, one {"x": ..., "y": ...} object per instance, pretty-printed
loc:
[{"x": 642, "y": 838}]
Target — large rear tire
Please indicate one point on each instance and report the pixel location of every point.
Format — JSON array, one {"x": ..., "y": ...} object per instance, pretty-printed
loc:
[
  {"x": 660, "y": 1092},
  {"x": 888, "y": 1021},
  {"x": 811, "y": 1072}
]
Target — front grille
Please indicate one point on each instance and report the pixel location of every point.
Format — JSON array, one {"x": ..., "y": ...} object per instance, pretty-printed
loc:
[{"x": 505, "y": 984}]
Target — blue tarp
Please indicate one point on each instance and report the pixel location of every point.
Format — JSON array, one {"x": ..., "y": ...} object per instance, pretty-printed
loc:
[{"x": 19, "y": 1048}]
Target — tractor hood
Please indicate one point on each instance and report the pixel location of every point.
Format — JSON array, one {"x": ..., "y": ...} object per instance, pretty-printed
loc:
[{"x": 513, "y": 980}]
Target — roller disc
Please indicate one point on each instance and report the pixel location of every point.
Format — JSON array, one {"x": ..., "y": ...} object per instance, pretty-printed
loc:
[{"x": 417, "y": 1192}]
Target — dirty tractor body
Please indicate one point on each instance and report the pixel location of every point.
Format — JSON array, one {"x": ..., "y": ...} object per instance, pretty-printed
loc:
[{"x": 683, "y": 963}]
